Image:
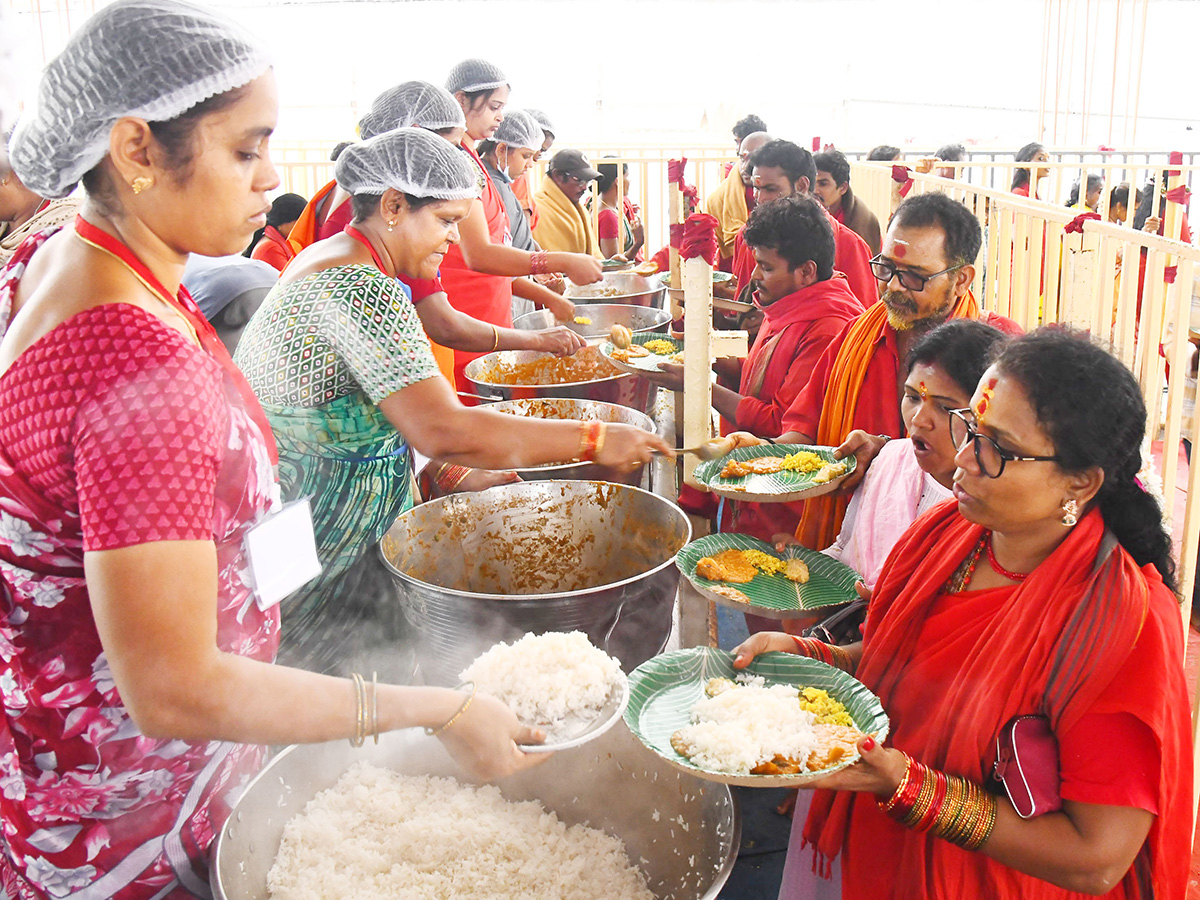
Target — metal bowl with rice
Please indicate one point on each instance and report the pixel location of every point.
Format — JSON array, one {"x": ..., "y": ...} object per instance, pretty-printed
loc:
[{"x": 680, "y": 831}]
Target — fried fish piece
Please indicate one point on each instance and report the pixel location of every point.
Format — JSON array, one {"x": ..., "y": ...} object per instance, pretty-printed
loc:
[
  {"x": 759, "y": 465},
  {"x": 795, "y": 570},
  {"x": 728, "y": 565},
  {"x": 730, "y": 593}
]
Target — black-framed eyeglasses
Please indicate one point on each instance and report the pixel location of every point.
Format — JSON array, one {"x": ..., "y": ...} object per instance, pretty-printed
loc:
[
  {"x": 990, "y": 456},
  {"x": 885, "y": 271}
]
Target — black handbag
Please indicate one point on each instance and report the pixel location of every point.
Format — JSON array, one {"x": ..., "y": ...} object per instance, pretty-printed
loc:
[{"x": 844, "y": 626}]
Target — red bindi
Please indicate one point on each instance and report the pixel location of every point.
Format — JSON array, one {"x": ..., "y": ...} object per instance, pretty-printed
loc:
[{"x": 899, "y": 251}]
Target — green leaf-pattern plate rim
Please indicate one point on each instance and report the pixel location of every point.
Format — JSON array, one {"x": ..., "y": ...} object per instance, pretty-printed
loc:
[
  {"x": 664, "y": 278},
  {"x": 641, "y": 364},
  {"x": 830, "y": 582},
  {"x": 663, "y": 690},
  {"x": 780, "y": 487}
]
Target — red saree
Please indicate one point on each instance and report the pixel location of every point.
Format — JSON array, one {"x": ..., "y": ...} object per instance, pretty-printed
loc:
[{"x": 1053, "y": 647}]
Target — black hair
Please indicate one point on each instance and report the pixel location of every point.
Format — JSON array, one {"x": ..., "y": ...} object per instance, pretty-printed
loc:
[
  {"x": 1146, "y": 204},
  {"x": 486, "y": 146},
  {"x": 478, "y": 98},
  {"x": 884, "y": 152},
  {"x": 835, "y": 163},
  {"x": 177, "y": 138},
  {"x": 608, "y": 175},
  {"x": 1025, "y": 154},
  {"x": 962, "y": 234},
  {"x": 1120, "y": 195},
  {"x": 1091, "y": 407},
  {"x": 797, "y": 228},
  {"x": 364, "y": 206},
  {"x": 962, "y": 348},
  {"x": 793, "y": 160},
  {"x": 338, "y": 148},
  {"x": 951, "y": 153},
  {"x": 747, "y": 125},
  {"x": 1094, "y": 183},
  {"x": 284, "y": 208}
]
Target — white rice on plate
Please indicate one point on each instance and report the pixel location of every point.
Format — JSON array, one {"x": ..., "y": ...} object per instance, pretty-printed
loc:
[
  {"x": 550, "y": 680},
  {"x": 746, "y": 723},
  {"x": 380, "y": 835}
]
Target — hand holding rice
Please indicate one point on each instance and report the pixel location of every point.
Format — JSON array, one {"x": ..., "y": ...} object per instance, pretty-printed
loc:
[{"x": 550, "y": 681}]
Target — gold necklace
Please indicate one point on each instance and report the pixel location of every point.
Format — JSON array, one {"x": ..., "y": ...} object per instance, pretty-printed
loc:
[
  {"x": 149, "y": 287},
  {"x": 962, "y": 575}
]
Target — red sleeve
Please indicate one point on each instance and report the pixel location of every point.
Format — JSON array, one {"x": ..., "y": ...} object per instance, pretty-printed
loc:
[
  {"x": 270, "y": 252},
  {"x": 423, "y": 287},
  {"x": 799, "y": 357},
  {"x": 804, "y": 413},
  {"x": 148, "y": 442},
  {"x": 853, "y": 259},
  {"x": 1098, "y": 746},
  {"x": 336, "y": 222},
  {"x": 743, "y": 264},
  {"x": 607, "y": 225}
]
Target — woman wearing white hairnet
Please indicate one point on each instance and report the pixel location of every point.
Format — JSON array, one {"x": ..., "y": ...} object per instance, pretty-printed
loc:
[
  {"x": 478, "y": 272},
  {"x": 337, "y": 356},
  {"x": 134, "y": 461}
]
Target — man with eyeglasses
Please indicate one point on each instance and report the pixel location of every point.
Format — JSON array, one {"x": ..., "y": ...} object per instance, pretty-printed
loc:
[
  {"x": 783, "y": 169},
  {"x": 563, "y": 224},
  {"x": 926, "y": 269}
]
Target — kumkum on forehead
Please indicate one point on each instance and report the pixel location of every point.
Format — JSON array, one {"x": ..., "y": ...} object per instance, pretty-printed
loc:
[{"x": 986, "y": 393}]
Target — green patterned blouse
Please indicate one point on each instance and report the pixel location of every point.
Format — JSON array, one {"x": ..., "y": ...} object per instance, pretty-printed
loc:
[{"x": 332, "y": 333}]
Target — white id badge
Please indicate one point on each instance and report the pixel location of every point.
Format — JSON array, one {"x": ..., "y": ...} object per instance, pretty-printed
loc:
[{"x": 283, "y": 553}]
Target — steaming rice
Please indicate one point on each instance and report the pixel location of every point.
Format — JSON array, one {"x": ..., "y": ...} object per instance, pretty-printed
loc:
[
  {"x": 550, "y": 680},
  {"x": 379, "y": 835}
]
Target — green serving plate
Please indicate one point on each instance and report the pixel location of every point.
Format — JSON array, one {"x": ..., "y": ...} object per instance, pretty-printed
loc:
[
  {"x": 640, "y": 365},
  {"x": 664, "y": 278},
  {"x": 780, "y": 487},
  {"x": 830, "y": 582},
  {"x": 663, "y": 690}
]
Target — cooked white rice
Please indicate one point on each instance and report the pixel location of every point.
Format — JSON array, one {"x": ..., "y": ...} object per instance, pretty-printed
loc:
[
  {"x": 379, "y": 835},
  {"x": 739, "y": 729},
  {"x": 549, "y": 680}
]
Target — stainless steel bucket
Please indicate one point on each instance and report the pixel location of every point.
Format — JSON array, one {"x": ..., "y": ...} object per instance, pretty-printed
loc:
[
  {"x": 638, "y": 319},
  {"x": 579, "y": 411},
  {"x": 619, "y": 287},
  {"x": 476, "y": 568},
  {"x": 622, "y": 388},
  {"x": 614, "y": 783}
]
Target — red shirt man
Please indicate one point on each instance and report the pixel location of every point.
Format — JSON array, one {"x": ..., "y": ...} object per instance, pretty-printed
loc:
[
  {"x": 926, "y": 267},
  {"x": 805, "y": 305},
  {"x": 781, "y": 169}
]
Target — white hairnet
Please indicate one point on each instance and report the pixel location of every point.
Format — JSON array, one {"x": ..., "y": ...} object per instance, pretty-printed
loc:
[
  {"x": 475, "y": 75},
  {"x": 413, "y": 103},
  {"x": 412, "y": 160},
  {"x": 519, "y": 130},
  {"x": 152, "y": 59},
  {"x": 542, "y": 119}
]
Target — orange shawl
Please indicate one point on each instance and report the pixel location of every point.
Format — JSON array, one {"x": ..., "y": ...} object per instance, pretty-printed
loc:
[
  {"x": 823, "y": 516},
  {"x": 1054, "y": 647}
]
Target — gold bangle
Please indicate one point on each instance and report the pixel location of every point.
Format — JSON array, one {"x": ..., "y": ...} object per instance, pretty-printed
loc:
[
  {"x": 360, "y": 703},
  {"x": 434, "y": 732},
  {"x": 496, "y": 342},
  {"x": 375, "y": 707}
]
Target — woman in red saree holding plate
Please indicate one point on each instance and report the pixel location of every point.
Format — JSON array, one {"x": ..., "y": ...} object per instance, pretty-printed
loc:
[{"x": 1050, "y": 594}]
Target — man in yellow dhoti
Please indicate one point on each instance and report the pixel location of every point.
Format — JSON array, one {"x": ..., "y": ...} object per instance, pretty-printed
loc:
[{"x": 563, "y": 224}]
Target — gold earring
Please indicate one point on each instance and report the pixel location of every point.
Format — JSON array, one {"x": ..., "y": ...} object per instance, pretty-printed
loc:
[
  {"x": 141, "y": 183},
  {"x": 391, "y": 224},
  {"x": 1070, "y": 513}
]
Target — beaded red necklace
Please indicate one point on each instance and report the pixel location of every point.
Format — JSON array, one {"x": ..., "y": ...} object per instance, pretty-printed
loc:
[{"x": 997, "y": 568}]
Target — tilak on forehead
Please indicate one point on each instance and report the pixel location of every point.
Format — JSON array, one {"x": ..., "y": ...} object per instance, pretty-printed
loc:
[
  {"x": 986, "y": 393},
  {"x": 901, "y": 250},
  {"x": 922, "y": 390}
]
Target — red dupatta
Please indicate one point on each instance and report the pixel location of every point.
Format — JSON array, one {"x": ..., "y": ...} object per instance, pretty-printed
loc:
[{"x": 1054, "y": 648}]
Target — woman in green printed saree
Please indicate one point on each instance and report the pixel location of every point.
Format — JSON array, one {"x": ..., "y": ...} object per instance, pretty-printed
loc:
[{"x": 345, "y": 373}]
